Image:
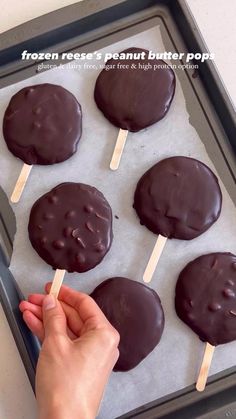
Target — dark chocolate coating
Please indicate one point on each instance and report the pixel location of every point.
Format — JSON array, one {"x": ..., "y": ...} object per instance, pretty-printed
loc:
[
  {"x": 135, "y": 311},
  {"x": 43, "y": 124},
  {"x": 205, "y": 297},
  {"x": 134, "y": 99},
  {"x": 70, "y": 227},
  {"x": 179, "y": 198}
]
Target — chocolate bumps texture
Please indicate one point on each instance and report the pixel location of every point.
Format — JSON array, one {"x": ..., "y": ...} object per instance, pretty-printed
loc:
[
  {"x": 179, "y": 197},
  {"x": 43, "y": 124},
  {"x": 205, "y": 297},
  {"x": 133, "y": 99},
  {"x": 70, "y": 227},
  {"x": 136, "y": 312}
]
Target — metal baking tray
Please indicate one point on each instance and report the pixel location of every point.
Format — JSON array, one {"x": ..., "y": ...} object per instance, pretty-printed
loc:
[
  {"x": 10, "y": 294},
  {"x": 88, "y": 26}
]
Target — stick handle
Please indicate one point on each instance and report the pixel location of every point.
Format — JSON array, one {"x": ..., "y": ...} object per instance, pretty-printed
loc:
[
  {"x": 57, "y": 282},
  {"x": 155, "y": 256},
  {"x": 206, "y": 363},
  {"x": 20, "y": 183},
  {"x": 118, "y": 150}
]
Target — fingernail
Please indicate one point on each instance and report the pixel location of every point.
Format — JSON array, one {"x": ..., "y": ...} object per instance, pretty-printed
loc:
[
  {"x": 49, "y": 302},
  {"x": 20, "y": 304}
]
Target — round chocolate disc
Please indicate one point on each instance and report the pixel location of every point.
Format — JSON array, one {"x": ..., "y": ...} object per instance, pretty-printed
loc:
[
  {"x": 43, "y": 124},
  {"x": 70, "y": 227},
  {"x": 205, "y": 297},
  {"x": 135, "y": 311},
  {"x": 138, "y": 96},
  {"x": 178, "y": 198}
]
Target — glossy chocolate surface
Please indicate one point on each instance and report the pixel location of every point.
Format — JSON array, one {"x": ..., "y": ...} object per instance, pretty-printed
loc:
[
  {"x": 133, "y": 99},
  {"x": 70, "y": 227},
  {"x": 206, "y": 297},
  {"x": 136, "y": 312},
  {"x": 43, "y": 124},
  {"x": 179, "y": 198}
]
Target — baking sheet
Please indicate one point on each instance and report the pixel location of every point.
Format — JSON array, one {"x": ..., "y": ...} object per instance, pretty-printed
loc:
[{"x": 174, "y": 363}]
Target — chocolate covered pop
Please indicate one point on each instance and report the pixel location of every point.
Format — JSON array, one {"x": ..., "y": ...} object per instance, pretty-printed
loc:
[
  {"x": 136, "y": 312},
  {"x": 180, "y": 198},
  {"x": 70, "y": 227},
  {"x": 205, "y": 299},
  {"x": 42, "y": 125},
  {"x": 134, "y": 93}
]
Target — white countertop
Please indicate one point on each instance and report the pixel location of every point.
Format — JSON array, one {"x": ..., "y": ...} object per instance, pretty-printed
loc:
[
  {"x": 16, "y": 396},
  {"x": 216, "y": 20}
]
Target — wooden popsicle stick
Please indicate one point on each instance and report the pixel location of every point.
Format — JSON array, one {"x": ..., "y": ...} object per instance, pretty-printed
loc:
[
  {"x": 20, "y": 183},
  {"x": 206, "y": 363},
  {"x": 57, "y": 282},
  {"x": 118, "y": 150},
  {"x": 155, "y": 256}
]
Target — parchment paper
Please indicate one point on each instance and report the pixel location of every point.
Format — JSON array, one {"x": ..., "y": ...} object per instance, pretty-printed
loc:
[{"x": 175, "y": 361}]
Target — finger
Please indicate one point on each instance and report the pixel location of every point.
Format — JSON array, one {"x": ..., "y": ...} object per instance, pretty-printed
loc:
[
  {"x": 69, "y": 311},
  {"x": 71, "y": 335},
  {"x": 83, "y": 303},
  {"x": 36, "y": 299},
  {"x": 36, "y": 310},
  {"x": 54, "y": 318},
  {"x": 34, "y": 324},
  {"x": 73, "y": 319}
]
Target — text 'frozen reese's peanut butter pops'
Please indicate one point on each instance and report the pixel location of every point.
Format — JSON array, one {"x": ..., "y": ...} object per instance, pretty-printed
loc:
[
  {"x": 133, "y": 92},
  {"x": 70, "y": 227},
  {"x": 179, "y": 198},
  {"x": 42, "y": 125},
  {"x": 205, "y": 299}
]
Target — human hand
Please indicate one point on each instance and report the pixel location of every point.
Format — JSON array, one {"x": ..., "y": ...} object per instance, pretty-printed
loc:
[{"x": 79, "y": 351}]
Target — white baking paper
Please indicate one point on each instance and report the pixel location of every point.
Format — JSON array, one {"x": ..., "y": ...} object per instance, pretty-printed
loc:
[{"x": 175, "y": 361}]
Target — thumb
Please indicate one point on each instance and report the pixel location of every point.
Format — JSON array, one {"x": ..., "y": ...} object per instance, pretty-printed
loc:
[{"x": 54, "y": 319}]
